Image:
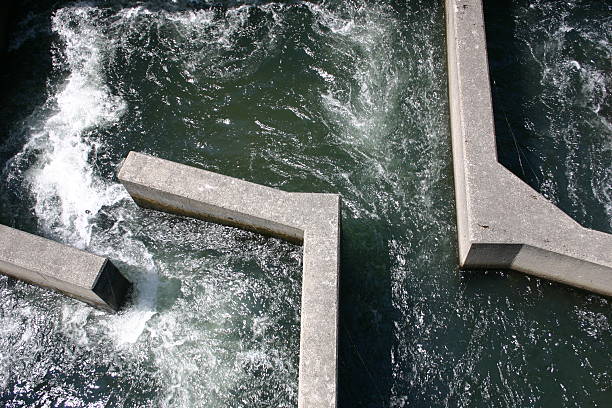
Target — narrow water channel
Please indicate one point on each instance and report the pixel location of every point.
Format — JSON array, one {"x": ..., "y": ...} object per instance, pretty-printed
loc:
[{"x": 318, "y": 96}]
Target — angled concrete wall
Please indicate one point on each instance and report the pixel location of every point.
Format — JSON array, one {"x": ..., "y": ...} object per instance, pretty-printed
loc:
[
  {"x": 78, "y": 274},
  {"x": 501, "y": 221},
  {"x": 313, "y": 219}
]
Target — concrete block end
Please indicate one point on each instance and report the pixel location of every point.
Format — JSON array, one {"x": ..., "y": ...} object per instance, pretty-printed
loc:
[{"x": 112, "y": 287}]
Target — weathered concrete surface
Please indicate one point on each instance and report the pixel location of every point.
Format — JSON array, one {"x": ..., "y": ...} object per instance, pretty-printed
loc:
[
  {"x": 501, "y": 221},
  {"x": 78, "y": 274},
  {"x": 313, "y": 219}
]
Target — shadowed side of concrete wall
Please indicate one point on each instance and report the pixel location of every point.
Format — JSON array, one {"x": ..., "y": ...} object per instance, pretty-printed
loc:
[
  {"x": 501, "y": 221},
  {"x": 78, "y": 274}
]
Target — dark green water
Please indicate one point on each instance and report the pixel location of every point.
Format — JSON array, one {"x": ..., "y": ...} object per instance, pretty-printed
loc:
[{"x": 345, "y": 97}]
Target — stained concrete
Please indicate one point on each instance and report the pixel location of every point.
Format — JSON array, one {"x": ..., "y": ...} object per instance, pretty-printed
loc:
[
  {"x": 501, "y": 221},
  {"x": 78, "y": 274},
  {"x": 308, "y": 218}
]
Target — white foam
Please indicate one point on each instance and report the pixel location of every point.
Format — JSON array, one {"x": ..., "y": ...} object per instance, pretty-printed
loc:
[{"x": 67, "y": 193}]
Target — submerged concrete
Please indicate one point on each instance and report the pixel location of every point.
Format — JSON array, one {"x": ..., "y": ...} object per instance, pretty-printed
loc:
[
  {"x": 501, "y": 221},
  {"x": 78, "y": 274},
  {"x": 308, "y": 218}
]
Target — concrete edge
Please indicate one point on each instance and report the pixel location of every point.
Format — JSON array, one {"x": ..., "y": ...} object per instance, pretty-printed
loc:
[
  {"x": 501, "y": 221},
  {"x": 309, "y": 218},
  {"x": 214, "y": 214},
  {"x": 454, "y": 94}
]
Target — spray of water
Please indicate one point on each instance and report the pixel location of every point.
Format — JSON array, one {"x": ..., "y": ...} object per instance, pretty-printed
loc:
[{"x": 67, "y": 193}]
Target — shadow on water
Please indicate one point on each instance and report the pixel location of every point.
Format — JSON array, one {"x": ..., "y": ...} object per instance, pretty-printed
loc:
[
  {"x": 505, "y": 72},
  {"x": 366, "y": 318},
  {"x": 24, "y": 80}
]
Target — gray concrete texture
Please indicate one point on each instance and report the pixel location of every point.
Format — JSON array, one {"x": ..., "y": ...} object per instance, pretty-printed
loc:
[
  {"x": 309, "y": 218},
  {"x": 501, "y": 221},
  {"x": 78, "y": 274}
]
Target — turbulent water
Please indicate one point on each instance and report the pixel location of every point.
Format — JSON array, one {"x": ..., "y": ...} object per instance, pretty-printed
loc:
[{"x": 345, "y": 97}]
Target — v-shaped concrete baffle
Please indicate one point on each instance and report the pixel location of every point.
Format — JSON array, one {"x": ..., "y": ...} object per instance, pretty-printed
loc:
[
  {"x": 87, "y": 277},
  {"x": 501, "y": 221},
  {"x": 311, "y": 219}
]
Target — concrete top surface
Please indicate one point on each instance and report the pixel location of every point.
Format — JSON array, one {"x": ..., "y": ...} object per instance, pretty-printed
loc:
[
  {"x": 50, "y": 259},
  {"x": 298, "y": 211}
]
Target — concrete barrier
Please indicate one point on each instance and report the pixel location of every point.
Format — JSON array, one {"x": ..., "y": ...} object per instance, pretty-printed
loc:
[
  {"x": 501, "y": 221},
  {"x": 313, "y": 219},
  {"x": 78, "y": 274}
]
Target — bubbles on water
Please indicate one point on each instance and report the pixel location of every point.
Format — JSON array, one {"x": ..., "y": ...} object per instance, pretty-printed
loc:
[
  {"x": 363, "y": 99},
  {"x": 211, "y": 42},
  {"x": 358, "y": 107}
]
